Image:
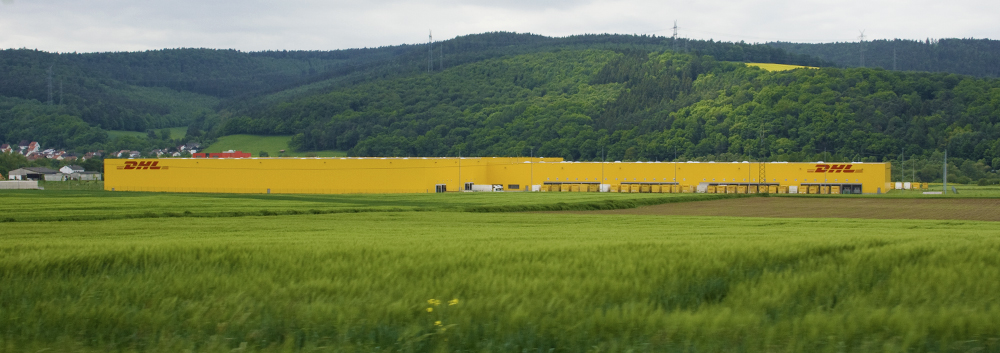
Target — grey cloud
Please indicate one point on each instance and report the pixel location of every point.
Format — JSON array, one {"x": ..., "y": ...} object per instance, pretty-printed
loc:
[{"x": 114, "y": 25}]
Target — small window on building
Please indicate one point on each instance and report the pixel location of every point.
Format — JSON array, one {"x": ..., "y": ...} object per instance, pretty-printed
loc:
[{"x": 513, "y": 187}]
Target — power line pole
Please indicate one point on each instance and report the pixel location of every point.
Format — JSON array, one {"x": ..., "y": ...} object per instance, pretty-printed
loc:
[
  {"x": 945, "y": 173},
  {"x": 761, "y": 165},
  {"x": 430, "y": 51}
]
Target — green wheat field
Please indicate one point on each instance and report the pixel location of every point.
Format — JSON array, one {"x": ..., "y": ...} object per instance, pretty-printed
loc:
[{"x": 92, "y": 271}]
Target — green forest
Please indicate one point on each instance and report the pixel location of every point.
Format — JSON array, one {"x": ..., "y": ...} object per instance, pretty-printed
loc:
[
  {"x": 636, "y": 105},
  {"x": 973, "y": 57},
  {"x": 587, "y": 97}
]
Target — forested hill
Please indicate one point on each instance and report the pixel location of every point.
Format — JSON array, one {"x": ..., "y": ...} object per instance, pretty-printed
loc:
[
  {"x": 138, "y": 91},
  {"x": 636, "y": 105},
  {"x": 974, "y": 57},
  {"x": 503, "y": 94}
]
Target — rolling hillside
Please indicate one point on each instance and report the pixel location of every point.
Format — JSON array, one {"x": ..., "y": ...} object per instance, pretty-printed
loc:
[{"x": 585, "y": 97}]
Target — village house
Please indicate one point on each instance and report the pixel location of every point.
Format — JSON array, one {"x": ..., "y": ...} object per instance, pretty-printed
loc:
[
  {"x": 34, "y": 156},
  {"x": 70, "y": 169},
  {"x": 5, "y": 148},
  {"x": 190, "y": 147},
  {"x": 75, "y": 172}
]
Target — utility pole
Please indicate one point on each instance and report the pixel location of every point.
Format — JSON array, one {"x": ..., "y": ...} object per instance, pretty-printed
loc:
[
  {"x": 761, "y": 165},
  {"x": 945, "y": 185},
  {"x": 430, "y": 51}
]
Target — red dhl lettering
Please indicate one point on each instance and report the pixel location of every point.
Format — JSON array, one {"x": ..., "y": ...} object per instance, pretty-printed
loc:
[
  {"x": 835, "y": 168},
  {"x": 132, "y": 165}
]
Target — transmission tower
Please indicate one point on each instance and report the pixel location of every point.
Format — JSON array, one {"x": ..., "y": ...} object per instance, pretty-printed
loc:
[
  {"x": 893, "y": 59},
  {"x": 430, "y": 51},
  {"x": 674, "y": 38},
  {"x": 50, "y": 84},
  {"x": 862, "y": 42}
]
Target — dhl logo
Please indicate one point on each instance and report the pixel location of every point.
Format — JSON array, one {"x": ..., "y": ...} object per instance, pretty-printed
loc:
[
  {"x": 835, "y": 168},
  {"x": 142, "y": 165}
]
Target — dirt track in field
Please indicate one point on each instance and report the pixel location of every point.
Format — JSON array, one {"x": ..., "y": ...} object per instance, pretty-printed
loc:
[{"x": 808, "y": 207}]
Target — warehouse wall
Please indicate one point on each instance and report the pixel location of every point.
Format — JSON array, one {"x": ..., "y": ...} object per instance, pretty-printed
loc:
[
  {"x": 419, "y": 175},
  {"x": 296, "y": 175}
]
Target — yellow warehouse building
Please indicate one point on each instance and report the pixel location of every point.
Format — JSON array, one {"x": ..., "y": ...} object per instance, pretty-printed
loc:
[{"x": 427, "y": 175}]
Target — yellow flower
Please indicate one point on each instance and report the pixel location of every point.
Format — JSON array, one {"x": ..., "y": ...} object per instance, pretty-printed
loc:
[
  {"x": 437, "y": 323},
  {"x": 430, "y": 309},
  {"x": 453, "y": 302},
  {"x": 433, "y": 302}
]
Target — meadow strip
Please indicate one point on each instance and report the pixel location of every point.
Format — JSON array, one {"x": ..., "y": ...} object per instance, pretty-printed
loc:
[
  {"x": 609, "y": 204},
  {"x": 45, "y": 206}
]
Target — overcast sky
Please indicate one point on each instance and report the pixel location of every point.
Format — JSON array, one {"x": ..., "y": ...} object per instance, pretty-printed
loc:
[{"x": 252, "y": 25}]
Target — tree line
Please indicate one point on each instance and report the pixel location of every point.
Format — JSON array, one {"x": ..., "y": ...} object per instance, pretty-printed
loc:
[{"x": 973, "y": 57}]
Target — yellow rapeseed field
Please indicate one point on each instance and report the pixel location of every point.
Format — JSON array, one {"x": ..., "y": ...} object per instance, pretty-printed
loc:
[{"x": 779, "y": 67}]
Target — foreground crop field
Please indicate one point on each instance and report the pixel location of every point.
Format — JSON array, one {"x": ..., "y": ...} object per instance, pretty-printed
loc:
[
  {"x": 523, "y": 281},
  {"x": 35, "y": 206},
  {"x": 829, "y": 207}
]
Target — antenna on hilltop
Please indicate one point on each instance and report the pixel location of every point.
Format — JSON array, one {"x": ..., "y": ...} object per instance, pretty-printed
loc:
[
  {"x": 430, "y": 51},
  {"x": 862, "y": 41}
]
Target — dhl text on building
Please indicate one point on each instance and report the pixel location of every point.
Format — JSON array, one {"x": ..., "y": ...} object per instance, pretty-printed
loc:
[{"x": 425, "y": 175}]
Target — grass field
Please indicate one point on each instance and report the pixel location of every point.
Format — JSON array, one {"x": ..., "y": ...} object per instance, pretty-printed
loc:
[
  {"x": 41, "y": 206},
  {"x": 523, "y": 281},
  {"x": 254, "y": 144},
  {"x": 977, "y": 209}
]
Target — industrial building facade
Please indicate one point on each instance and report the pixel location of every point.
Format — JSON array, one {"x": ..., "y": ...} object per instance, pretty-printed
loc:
[{"x": 428, "y": 175}]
